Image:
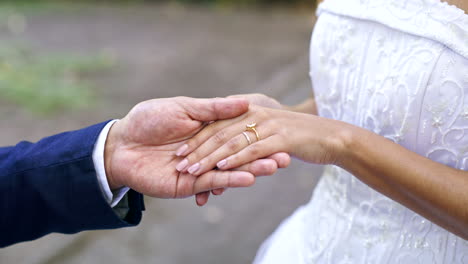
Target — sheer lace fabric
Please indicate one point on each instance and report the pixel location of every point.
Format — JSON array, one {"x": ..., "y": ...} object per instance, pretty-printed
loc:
[{"x": 399, "y": 69}]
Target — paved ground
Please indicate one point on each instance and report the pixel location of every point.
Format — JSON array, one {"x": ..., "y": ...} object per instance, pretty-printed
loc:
[{"x": 165, "y": 51}]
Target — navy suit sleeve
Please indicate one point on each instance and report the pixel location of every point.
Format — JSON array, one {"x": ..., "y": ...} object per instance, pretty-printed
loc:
[{"x": 51, "y": 186}]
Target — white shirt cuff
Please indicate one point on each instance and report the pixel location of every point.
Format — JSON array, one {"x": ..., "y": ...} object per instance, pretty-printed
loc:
[{"x": 112, "y": 198}]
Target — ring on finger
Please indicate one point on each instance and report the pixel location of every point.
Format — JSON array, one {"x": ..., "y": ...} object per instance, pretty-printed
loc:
[
  {"x": 247, "y": 137},
  {"x": 252, "y": 127}
]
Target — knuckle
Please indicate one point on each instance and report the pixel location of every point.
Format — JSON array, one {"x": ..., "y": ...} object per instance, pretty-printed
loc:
[
  {"x": 193, "y": 143},
  {"x": 265, "y": 115},
  {"x": 268, "y": 122},
  {"x": 219, "y": 180},
  {"x": 234, "y": 160},
  {"x": 233, "y": 144},
  {"x": 282, "y": 131},
  {"x": 260, "y": 113},
  {"x": 192, "y": 158},
  {"x": 212, "y": 181},
  {"x": 254, "y": 150},
  {"x": 219, "y": 137}
]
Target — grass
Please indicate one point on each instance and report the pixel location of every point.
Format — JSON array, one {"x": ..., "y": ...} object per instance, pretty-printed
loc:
[
  {"x": 49, "y": 83},
  {"x": 42, "y": 84},
  {"x": 46, "y": 84}
]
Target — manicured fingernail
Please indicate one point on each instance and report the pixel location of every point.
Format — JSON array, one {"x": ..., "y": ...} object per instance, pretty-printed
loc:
[
  {"x": 181, "y": 151},
  {"x": 194, "y": 168},
  {"x": 182, "y": 165},
  {"x": 222, "y": 164}
]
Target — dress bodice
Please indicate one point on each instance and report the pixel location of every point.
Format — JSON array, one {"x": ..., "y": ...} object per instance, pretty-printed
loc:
[
  {"x": 400, "y": 69},
  {"x": 404, "y": 75}
]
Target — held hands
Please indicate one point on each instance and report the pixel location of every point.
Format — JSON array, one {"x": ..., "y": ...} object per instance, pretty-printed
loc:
[
  {"x": 254, "y": 99},
  {"x": 140, "y": 148},
  {"x": 230, "y": 143}
]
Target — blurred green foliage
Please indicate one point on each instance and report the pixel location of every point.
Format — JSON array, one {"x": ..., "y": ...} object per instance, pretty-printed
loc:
[
  {"x": 47, "y": 83},
  {"x": 44, "y": 84},
  {"x": 195, "y": 2},
  {"x": 247, "y": 2}
]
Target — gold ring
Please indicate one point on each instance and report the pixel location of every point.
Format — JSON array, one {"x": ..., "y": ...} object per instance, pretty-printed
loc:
[
  {"x": 252, "y": 127},
  {"x": 247, "y": 137}
]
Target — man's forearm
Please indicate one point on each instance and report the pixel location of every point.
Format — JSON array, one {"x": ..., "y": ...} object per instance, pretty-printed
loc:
[{"x": 51, "y": 186}]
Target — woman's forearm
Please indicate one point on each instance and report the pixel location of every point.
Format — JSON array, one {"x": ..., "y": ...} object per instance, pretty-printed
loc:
[{"x": 433, "y": 190}]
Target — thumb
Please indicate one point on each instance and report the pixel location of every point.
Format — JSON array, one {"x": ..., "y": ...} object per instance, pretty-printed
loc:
[{"x": 213, "y": 109}]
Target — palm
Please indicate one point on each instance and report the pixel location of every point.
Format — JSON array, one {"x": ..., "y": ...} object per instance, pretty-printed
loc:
[
  {"x": 149, "y": 147},
  {"x": 155, "y": 166}
]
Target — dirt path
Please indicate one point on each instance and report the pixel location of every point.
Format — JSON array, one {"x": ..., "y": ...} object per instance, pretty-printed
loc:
[{"x": 164, "y": 51}]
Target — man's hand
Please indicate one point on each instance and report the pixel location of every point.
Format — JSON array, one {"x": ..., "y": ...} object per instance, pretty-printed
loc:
[{"x": 140, "y": 149}]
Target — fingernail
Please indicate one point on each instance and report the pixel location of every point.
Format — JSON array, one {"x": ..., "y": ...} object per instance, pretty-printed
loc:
[
  {"x": 181, "y": 151},
  {"x": 182, "y": 165},
  {"x": 194, "y": 168},
  {"x": 222, "y": 164}
]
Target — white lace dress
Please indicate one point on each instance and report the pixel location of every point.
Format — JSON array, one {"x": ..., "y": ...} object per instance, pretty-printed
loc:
[{"x": 400, "y": 69}]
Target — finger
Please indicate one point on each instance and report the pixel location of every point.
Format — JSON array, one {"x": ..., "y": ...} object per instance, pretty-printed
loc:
[
  {"x": 261, "y": 167},
  {"x": 253, "y": 152},
  {"x": 233, "y": 134},
  {"x": 211, "y": 154},
  {"x": 216, "y": 131},
  {"x": 207, "y": 140},
  {"x": 206, "y": 157},
  {"x": 218, "y": 191},
  {"x": 202, "y": 198},
  {"x": 215, "y": 108},
  {"x": 222, "y": 179},
  {"x": 283, "y": 159}
]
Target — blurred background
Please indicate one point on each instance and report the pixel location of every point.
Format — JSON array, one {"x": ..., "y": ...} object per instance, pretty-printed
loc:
[{"x": 65, "y": 65}]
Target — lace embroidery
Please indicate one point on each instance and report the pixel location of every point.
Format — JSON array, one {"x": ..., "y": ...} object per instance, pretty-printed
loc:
[
  {"x": 427, "y": 18},
  {"x": 410, "y": 88},
  {"x": 406, "y": 88}
]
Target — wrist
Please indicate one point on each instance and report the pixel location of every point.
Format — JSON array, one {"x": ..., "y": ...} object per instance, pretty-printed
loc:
[
  {"x": 110, "y": 150},
  {"x": 343, "y": 142},
  {"x": 323, "y": 141}
]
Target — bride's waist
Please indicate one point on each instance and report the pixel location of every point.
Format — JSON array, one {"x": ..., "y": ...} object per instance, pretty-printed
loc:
[{"x": 341, "y": 195}]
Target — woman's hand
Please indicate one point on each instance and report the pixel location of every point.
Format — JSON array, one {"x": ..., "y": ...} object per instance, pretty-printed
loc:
[
  {"x": 255, "y": 99},
  {"x": 229, "y": 144},
  {"x": 308, "y": 106}
]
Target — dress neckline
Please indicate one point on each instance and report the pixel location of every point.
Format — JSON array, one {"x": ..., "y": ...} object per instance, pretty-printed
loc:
[{"x": 432, "y": 19}]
